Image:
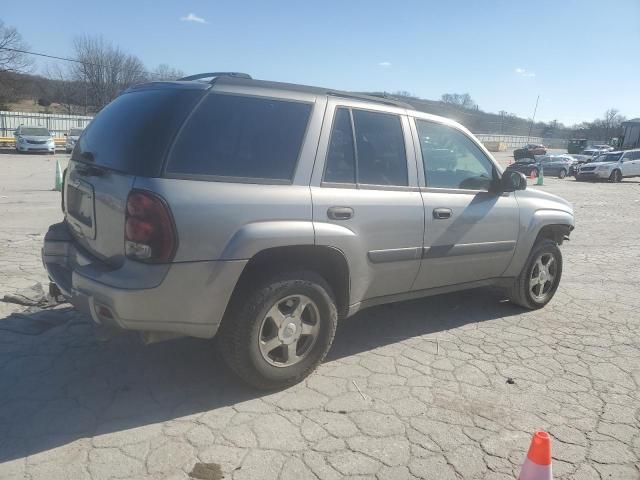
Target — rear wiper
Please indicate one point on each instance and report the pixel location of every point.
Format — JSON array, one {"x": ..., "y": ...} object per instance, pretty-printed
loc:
[
  {"x": 88, "y": 156},
  {"x": 90, "y": 170}
]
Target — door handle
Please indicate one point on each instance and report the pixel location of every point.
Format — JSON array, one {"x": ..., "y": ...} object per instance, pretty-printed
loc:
[
  {"x": 340, "y": 213},
  {"x": 442, "y": 213}
]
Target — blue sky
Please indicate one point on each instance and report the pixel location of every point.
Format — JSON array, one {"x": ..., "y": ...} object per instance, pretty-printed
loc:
[{"x": 581, "y": 56}]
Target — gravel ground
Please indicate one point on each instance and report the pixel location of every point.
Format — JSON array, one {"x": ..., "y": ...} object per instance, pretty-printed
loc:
[{"x": 412, "y": 390}]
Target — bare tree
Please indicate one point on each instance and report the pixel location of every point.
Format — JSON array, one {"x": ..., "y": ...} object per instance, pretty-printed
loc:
[
  {"x": 64, "y": 89},
  {"x": 10, "y": 59},
  {"x": 106, "y": 69},
  {"x": 165, "y": 72},
  {"x": 463, "y": 100}
]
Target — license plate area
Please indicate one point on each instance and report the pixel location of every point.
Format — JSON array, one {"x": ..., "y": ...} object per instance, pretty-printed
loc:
[{"x": 81, "y": 208}]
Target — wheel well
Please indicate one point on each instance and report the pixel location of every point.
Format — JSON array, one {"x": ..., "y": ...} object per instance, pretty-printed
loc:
[
  {"x": 557, "y": 233},
  {"x": 330, "y": 263}
]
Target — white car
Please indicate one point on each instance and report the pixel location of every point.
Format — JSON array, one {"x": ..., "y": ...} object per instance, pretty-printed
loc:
[
  {"x": 34, "y": 139},
  {"x": 612, "y": 166},
  {"x": 72, "y": 137}
]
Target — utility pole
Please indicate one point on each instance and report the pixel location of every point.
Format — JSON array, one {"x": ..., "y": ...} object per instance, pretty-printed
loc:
[{"x": 533, "y": 119}]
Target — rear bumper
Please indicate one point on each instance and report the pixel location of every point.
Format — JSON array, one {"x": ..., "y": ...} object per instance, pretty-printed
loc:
[{"x": 190, "y": 299}]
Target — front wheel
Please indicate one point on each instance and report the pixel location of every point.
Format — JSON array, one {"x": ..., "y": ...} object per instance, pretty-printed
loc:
[
  {"x": 280, "y": 331},
  {"x": 539, "y": 279},
  {"x": 615, "y": 176},
  {"x": 563, "y": 173}
]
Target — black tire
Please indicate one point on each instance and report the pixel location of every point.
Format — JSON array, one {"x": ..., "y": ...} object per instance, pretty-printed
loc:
[
  {"x": 520, "y": 292},
  {"x": 616, "y": 176},
  {"x": 239, "y": 335},
  {"x": 562, "y": 174}
]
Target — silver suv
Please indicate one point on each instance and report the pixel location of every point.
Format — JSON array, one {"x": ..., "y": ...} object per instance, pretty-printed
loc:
[{"x": 263, "y": 212}]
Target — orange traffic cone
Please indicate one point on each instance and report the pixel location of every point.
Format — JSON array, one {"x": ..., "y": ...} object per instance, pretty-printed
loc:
[{"x": 537, "y": 466}]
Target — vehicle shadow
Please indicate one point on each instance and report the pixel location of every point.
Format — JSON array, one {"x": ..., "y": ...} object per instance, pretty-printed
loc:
[{"x": 61, "y": 384}]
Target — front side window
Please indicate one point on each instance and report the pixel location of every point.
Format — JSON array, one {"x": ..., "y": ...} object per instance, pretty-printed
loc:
[
  {"x": 241, "y": 137},
  {"x": 451, "y": 159}
]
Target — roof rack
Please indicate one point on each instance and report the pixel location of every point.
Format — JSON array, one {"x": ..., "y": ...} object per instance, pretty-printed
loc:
[
  {"x": 214, "y": 76},
  {"x": 374, "y": 98}
]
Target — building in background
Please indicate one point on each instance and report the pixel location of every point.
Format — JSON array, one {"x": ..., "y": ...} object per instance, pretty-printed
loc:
[{"x": 631, "y": 138}]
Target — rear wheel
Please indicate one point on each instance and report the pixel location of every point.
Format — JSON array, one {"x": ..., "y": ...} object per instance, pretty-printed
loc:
[
  {"x": 616, "y": 176},
  {"x": 539, "y": 279},
  {"x": 563, "y": 173},
  {"x": 280, "y": 331}
]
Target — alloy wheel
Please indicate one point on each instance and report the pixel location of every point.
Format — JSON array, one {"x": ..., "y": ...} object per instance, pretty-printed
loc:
[
  {"x": 543, "y": 276},
  {"x": 289, "y": 330}
]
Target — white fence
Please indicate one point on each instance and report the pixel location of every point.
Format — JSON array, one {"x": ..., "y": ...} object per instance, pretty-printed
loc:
[
  {"x": 511, "y": 141},
  {"x": 57, "y": 124}
]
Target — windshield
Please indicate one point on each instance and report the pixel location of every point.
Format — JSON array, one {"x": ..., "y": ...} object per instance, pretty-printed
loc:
[
  {"x": 609, "y": 157},
  {"x": 35, "y": 132},
  {"x": 75, "y": 132}
]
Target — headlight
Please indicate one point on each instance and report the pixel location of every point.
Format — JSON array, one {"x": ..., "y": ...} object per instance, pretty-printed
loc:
[{"x": 21, "y": 140}]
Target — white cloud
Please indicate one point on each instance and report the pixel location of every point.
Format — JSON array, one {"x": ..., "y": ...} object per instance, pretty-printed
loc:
[
  {"x": 523, "y": 72},
  {"x": 192, "y": 17},
  {"x": 384, "y": 64}
]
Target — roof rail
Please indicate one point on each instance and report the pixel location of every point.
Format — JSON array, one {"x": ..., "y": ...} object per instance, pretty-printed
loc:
[
  {"x": 214, "y": 76},
  {"x": 375, "y": 98}
]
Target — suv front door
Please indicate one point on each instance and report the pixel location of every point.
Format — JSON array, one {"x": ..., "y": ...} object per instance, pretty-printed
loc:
[
  {"x": 470, "y": 231},
  {"x": 366, "y": 200}
]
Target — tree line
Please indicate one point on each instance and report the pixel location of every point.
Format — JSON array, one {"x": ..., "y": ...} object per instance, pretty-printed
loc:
[{"x": 93, "y": 76}]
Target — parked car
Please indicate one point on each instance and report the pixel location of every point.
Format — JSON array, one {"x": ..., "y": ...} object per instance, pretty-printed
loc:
[
  {"x": 613, "y": 166},
  {"x": 34, "y": 139},
  {"x": 604, "y": 148},
  {"x": 529, "y": 167},
  {"x": 578, "y": 160},
  {"x": 72, "y": 137},
  {"x": 559, "y": 165},
  {"x": 262, "y": 212},
  {"x": 591, "y": 152},
  {"x": 529, "y": 150},
  {"x": 577, "y": 145}
]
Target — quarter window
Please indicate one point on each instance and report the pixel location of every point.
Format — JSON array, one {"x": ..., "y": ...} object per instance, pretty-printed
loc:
[
  {"x": 379, "y": 156},
  {"x": 451, "y": 159},
  {"x": 241, "y": 137},
  {"x": 341, "y": 163}
]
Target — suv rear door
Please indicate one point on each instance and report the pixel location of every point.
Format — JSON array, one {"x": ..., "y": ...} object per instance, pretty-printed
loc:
[
  {"x": 470, "y": 232},
  {"x": 365, "y": 194}
]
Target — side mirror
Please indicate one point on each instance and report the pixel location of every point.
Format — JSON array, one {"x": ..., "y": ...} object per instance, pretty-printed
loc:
[
  {"x": 512, "y": 181},
  {"x": 65, "y": 134}
]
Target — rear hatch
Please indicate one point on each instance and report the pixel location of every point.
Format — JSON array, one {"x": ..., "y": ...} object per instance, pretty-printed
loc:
[{"x": 128, "y": 138}]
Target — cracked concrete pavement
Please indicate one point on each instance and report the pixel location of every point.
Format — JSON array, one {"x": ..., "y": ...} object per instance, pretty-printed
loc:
[{"x": 412, "y": 390}]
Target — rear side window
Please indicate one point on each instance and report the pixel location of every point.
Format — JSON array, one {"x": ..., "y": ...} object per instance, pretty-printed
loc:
[
  {"x": 234, "y": 136},
  {"x": 379, "y": 151},
  {"x": 380, "y": 145},
  {"x": 132, "y": 133}
]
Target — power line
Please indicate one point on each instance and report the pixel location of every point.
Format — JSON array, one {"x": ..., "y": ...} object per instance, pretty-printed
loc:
[{"x": 49, "y": 56}]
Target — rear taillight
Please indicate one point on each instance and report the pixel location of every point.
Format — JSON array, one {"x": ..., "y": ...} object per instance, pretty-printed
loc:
[{"x": 149, "y": 233}]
